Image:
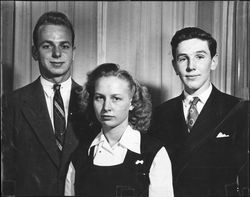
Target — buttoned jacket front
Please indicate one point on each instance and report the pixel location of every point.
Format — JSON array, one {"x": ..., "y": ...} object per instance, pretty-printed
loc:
[
  {"x": 210, "y": 157},
  {"x": 30, "y": 154}
]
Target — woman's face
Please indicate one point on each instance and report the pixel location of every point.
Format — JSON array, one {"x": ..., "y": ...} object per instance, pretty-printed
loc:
[{"x": 112, "y": 102}]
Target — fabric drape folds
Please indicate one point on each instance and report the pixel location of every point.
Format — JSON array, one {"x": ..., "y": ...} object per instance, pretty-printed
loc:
[{"x": 135, "y": 35}]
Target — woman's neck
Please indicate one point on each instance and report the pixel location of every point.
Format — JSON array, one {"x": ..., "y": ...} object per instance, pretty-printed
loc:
[{"x": 113, "y": 135}]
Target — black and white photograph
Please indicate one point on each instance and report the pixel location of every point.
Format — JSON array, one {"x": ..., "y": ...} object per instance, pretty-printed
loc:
[{"x": 125, "y": 98}]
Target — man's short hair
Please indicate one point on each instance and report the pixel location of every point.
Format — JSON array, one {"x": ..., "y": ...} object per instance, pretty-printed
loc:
[
  {"x": 53, "y": 18},
  {"x": 190, "y": 33}
]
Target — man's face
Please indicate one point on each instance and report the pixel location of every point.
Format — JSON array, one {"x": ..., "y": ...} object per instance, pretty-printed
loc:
[
  {"x": 193, "y": 64},
  {"x": 54, "y": 52}
]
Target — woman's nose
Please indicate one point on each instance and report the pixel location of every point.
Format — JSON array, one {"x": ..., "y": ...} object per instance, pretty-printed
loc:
[{"x": 107, "y": 105}]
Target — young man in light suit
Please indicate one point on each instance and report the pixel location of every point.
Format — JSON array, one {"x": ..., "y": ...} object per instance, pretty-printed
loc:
[
  {"x": 207, "y": 141},
  {"x": 35, "y": 161}
]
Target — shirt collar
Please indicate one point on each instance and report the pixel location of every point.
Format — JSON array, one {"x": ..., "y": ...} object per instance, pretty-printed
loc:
[
  {"x": 48, "y": 86},
  {"x": 203, "y": 96},
  {"x": 66, "y": 86},
  {"x": 131, "y": 139}
]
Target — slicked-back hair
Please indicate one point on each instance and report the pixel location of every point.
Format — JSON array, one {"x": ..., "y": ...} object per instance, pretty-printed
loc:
[
  {"x": 53, "y": 18},
  {"x": 190, "y": 33},
  {"x": 139, "y": 117}
]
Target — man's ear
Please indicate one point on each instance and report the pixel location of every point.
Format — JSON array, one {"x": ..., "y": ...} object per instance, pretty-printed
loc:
[
  {"x": 175, "y": 67},
  {"x": 74, "y": 49},
  {"x": 214, "y": 62},
  {"x": 35, "y": 53}
]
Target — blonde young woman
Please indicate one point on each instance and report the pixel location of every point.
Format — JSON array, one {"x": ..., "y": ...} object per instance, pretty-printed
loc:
[{"x": 122, "y": 160}]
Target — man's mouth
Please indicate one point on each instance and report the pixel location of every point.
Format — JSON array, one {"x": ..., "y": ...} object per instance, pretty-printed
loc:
[
  {"x": 192, "y": 76},
  {"x": 57, "y": 64}
]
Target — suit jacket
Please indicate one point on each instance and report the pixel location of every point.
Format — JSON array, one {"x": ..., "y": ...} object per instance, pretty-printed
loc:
[
  {"x": 31, "y": 162},
  {"x": 207, "y": 160}
]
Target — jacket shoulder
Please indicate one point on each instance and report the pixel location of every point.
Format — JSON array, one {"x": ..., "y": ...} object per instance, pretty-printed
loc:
[
  {"x": 150, "y": 144},
  {"x": 149, "y": 148},
  {"x": 224, "y": 99},
  {"x": 167, "y": 107},
  {"x": 17, "y": 95}
]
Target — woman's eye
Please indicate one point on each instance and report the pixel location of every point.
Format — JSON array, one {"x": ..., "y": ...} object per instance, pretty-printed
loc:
[
  {"x": 116, "y": 99},
  {"x": 199, "y": 56},
  {"x": 98, "y": 98}
]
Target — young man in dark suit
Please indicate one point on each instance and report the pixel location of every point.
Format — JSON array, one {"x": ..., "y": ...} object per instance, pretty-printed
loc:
[
  {"x": 41, "y": 123},
  {"x": 205, "y": 131}
]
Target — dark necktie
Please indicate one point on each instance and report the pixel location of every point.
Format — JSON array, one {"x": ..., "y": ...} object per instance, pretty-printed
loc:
[
  {"x": 59, "y": 117},
  {"x": 192, "y": 113}
]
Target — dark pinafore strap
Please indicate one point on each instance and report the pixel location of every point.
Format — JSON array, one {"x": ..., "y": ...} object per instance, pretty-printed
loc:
[{"x": 130, "y": 178}]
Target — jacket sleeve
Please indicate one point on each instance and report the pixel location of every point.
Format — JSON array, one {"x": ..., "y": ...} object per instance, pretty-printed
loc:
[{"x": 8, "y": 153}]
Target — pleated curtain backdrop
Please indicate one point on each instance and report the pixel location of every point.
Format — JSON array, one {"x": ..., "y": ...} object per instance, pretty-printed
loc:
[{"x": 135, "y": 35}]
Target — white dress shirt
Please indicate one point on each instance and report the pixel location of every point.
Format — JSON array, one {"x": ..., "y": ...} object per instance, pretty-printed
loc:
[
  {"x": 104, "y": 155},
  {"x": 203, "y": 99},
  {"x": 65, "y": 90}
]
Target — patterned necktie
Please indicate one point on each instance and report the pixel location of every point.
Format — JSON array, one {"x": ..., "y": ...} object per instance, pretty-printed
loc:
[
  {"x": 192, "y": 113},
  {"x": 59, "y": 117}
]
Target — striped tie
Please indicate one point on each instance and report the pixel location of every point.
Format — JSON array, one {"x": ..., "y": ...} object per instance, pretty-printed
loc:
[
  {"x": 192, "y": 113},
  {"x": 59, "y": 117}
]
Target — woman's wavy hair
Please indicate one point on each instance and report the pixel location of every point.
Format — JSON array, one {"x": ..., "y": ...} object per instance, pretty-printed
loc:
[{"x": 139, "y": 118}]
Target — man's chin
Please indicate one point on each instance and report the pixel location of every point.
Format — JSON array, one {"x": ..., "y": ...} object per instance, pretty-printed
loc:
[{"x": 191, "y": 89}]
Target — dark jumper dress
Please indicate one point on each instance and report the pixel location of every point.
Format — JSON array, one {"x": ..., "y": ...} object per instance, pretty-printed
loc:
[{"x": 127, "y": 179}]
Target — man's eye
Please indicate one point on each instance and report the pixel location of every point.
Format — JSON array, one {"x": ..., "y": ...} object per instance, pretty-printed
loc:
[
  {"x": 65, "y": 46},
  {"x": 181, "y": 59},
  {"x": 46, "y": 46}
]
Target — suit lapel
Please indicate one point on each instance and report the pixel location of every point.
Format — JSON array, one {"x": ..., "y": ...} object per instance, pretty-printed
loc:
[
  {"x": 205, "y": 122},
  {"x": 203, "y": 128},
  {"x": 182, "y": 129},
  {"x": 71, "y": 140},
  {"x": 36, "y": 112},
  {"x": 206, "y": 127}
]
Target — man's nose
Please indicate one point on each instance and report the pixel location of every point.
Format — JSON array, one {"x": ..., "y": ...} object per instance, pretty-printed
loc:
[
  {"x": 56, "y": 52},
  {"x": 191, "y": 65}
]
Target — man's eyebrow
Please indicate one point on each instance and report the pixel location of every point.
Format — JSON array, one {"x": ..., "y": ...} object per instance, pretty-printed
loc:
[
  {"x": 185, "y": 54},
  {"x": 181, "y": 54},
  {"x": 65, "y": 42},
  {"x": 201, "y": 51},
  {"x": 52, "y": 43}
]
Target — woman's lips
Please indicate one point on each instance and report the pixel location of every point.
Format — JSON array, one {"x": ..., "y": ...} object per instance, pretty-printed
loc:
[{"x": 106, "y": 117}]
